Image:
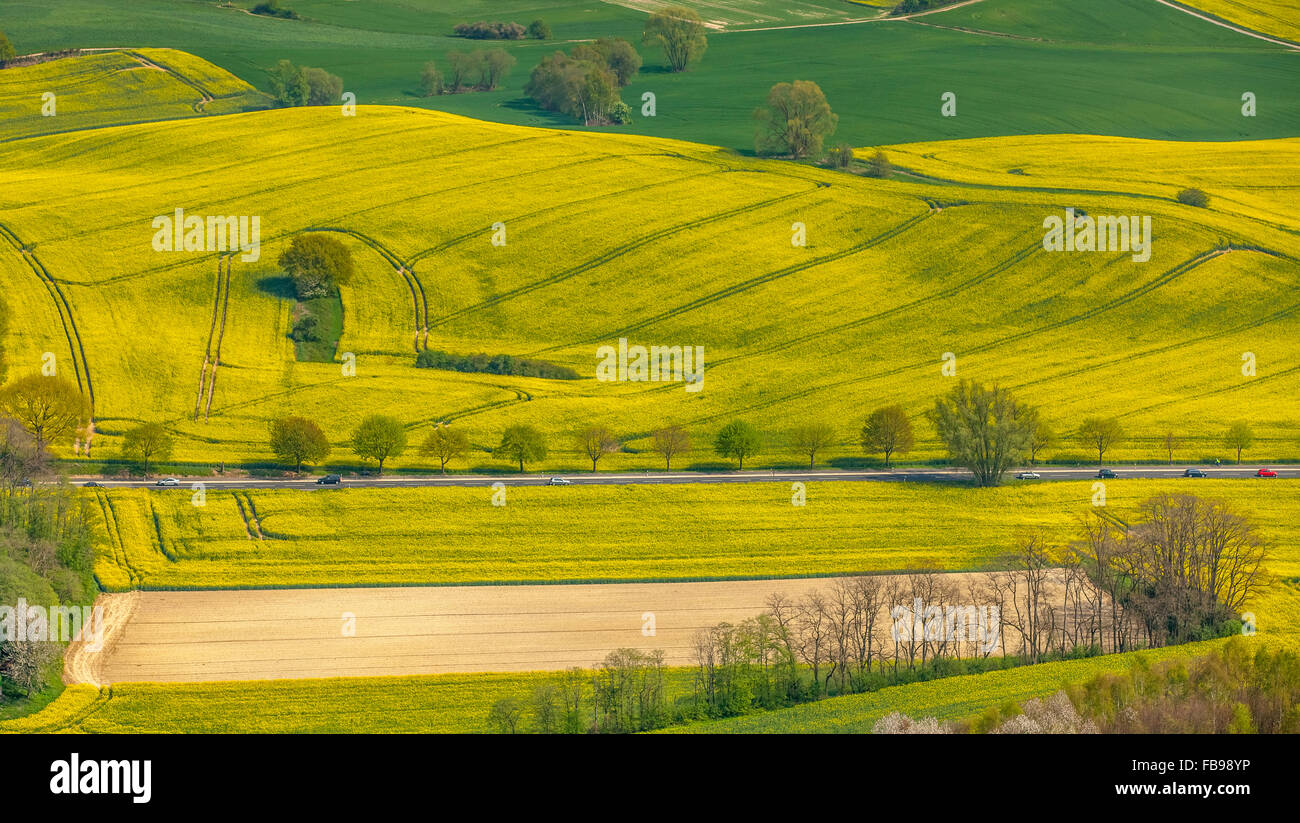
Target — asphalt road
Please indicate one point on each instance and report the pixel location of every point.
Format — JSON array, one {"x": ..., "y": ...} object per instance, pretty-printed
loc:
[{"x": 819, "y": 475}]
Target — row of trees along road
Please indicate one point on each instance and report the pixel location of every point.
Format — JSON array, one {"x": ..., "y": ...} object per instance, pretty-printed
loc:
[{"x": 985, "y": 429}]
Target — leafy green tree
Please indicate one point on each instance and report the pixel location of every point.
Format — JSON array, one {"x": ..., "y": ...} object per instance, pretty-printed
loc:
[
  {"x": 298, "y": 440},
  {"x": 1194, "y": 197},
  {"x": 1239, "y": 438},
  {"x": 811, "y": 438},
  {"x": 147, "y": 443},
  {"x": 738, "y": 440},
  {"x": 984, "y": 429},
  {"x": 318, "y": 265},
  {"x": 879, "y": 165},
  {"x": 523, "y": 444},
  {"x": 379, "y": 438},
  {"x": 795, "y": 120},
  {"x": 49, "y": 408},
  {"x": 323, "y": 88},
  {"x": 289, "y": 84},
  {"x": 1101, "y": 434},
  {"x": 679, "y": 32},
  {"x": 446, "y": 444},
  {"x": 538, "y": 30},
  {"x": 597, "y": 441},
  {"x": 620, "y": 56},
  {"x": 840, "y": 157},
  {"x": 6, "y": 49},
  {"x": 887, "y": 430}
]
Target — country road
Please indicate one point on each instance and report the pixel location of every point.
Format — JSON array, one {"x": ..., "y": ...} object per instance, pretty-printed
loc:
[{"x": 908, "y": 475}]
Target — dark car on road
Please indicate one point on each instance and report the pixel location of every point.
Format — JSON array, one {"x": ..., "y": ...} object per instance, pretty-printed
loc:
[
  {"x": 1107, "y": 474},
  {"x": 329, "y": 480},
  {"x": 1193, "y": 473}
]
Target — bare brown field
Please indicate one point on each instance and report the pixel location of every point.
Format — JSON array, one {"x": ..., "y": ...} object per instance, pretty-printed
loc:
[{"x": 302, "y": 633}]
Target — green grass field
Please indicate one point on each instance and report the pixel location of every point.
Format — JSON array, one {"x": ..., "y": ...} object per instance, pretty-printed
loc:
[
  {"x": 1151, "y": 71},
  {"x": 159, "y": 540}
]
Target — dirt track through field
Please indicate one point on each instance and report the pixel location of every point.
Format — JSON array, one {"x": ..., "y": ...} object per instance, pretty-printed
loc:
[{"x": 301, "y": 633}]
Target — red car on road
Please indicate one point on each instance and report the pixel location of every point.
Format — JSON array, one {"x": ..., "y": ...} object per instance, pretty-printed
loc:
[{"x": 1266, "y": 473}]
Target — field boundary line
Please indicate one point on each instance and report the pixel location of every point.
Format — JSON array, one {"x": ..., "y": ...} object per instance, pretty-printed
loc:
[{"x": 64, "y": 310}]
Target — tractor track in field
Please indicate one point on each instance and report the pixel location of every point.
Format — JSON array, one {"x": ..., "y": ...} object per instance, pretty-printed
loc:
[
  {"x": 760, "y": 280},
  {"x": 614, "y": 253},
  {"x": 419, "y": 303},
  {"x": 64, "y": 309},
  {"x": 1280, "y": 314},
  {"x": 120, "y": 555},
  {"x": 1245, "y": 384},
  {"x": 217, "y": 313},
  {"x": 951, "y": 291},
  {"x": 1133, "y": 294},
  {"x": 206, "y": 96},
  {"x": 216, "y": 334}
]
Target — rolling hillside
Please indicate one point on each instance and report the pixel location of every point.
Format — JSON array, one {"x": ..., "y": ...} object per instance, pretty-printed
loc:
[
  {"x": 658, "y": 242},
  {"x": 116, "y": 86}
]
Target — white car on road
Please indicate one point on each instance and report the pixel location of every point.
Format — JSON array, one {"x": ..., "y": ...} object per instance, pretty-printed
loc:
[
  {"x": 559, "y": 481},
  {"x": 1028, "y": 476}
]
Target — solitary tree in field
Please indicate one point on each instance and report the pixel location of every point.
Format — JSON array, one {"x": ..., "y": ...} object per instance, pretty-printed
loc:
[
  {"x": 1239, "y": 437},
  {"x": 680, "y": 33},
  {"x": 6, "y": 49},
  {"x": 318, "y": 264},
  {"x": 298, "y": 440},
  {"x": 446, "y": 444},
  {"x": 886, "y": 431},
  {"x": 522, "y": 444},
  {"x": 984, "y": 428},
  {"x": 147, "y": 443},
  {"x": 879, "y": 165},
  {"x": 795, "y": 120},
  {"x": 597, "y": 441},
  {"x": 48, "y": 407},
  {"x": 538, "y": 30},
  {"x": 378, "y": 438},
  {"x": 669, "y": 442},
  {"x": 1171, "y": 442},
  {"x": 1101, "y": 434},
  {"x": 738, "y": 440},
  {"x": 811, "y": 438}
]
